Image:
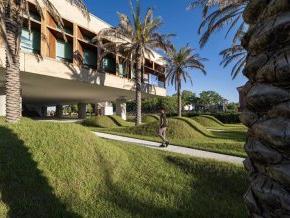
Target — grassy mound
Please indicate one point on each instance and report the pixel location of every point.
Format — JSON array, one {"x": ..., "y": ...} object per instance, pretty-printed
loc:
[
  {"x": 196, "y": 126},
  {"x": 120, "y": 122},
  {"x": 213, "y": 123},
  {"x": 177, "y": 129},
  {"x": 150, "y": 118},
  {"x": 189, "y": 133},
  {"x": 208, "y": 121},
  {"x": 100, "y": 121},
  {"x": 63, "y": 170}
]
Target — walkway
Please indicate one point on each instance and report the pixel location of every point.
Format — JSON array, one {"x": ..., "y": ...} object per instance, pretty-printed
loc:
[{"x": 175, "y": 149}]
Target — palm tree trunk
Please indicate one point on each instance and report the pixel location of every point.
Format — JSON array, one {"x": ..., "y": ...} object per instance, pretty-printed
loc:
[
  {"x": 179, "y": 103},
  {"x": 138, "y": 90},
  {"x": 12, "y": 76},
  {"x": 266, "y": 108}
]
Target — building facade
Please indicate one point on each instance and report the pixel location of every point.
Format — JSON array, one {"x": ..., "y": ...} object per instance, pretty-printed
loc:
[{"x": 58, "y": 70}]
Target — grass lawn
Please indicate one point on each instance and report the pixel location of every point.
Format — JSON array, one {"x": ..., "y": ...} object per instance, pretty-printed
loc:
[
  {"x": 213, "y": 123},
  {"x": 63, "y": 170},
  {"x": 107, "y": 122},
  {"x": 188, "y": 133}
]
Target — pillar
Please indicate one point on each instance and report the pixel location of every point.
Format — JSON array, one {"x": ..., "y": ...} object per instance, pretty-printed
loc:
[
  {"x": 121, "y": 108},
  {"x": 82, "y": 111},
  {"x": 59, "y": 111},
  {"x": 2, "y": 105}
]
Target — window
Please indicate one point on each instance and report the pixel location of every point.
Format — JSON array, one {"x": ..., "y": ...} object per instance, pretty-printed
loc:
[
  {"x": 161, "y": 84},
  {"x": 64, "y": 51},
  {"x": 123, "y": 70},
  {"x": 109, "y": 64},
  {"x": 153, "y": 80},
  {"x": 30, "y": 41},
  {"x": 90, "y": 58}
]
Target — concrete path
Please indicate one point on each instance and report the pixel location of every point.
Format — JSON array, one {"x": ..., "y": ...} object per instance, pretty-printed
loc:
[{"x": 175, "y": 149}]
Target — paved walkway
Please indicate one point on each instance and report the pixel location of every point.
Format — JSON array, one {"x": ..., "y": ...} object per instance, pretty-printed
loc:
[{"x": 175, "y": 149}]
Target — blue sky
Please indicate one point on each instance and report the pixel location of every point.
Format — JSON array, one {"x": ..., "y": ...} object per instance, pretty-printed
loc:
[{"x": 185, "y": 24}]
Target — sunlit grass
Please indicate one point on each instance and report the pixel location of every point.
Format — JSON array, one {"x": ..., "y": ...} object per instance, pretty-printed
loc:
[{"x": 63, "y": 170}]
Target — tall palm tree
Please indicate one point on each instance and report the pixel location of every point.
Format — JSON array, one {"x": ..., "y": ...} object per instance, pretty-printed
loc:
[
  {"x": 137, "y": 38},
  {"x": 11, "y": 21},
  {"x": 179, "y": 62},
  {"x": 266, "y": 107}
]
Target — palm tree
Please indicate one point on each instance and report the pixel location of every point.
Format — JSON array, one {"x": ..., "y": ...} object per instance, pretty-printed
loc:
[
  {"x": 178, "y": 64},
  {"x": 136, "y": 38},
  {"x": 265, "y": 99},
  {"x": 236, "y": 55},
  {"x": 226, "y": 13},
  {"x": 11, "y": 21}
]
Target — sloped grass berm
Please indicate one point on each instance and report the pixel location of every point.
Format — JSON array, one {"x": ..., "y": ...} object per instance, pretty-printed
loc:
[
  {"x": 213, "y": 123},
  {"x": 188, "y": 133},
  {"x": 120, "y": 122},
  {"x": 100, "y": 121},
  {"x": 150, "y": 118},
  {"x": 63, "y": 170}
]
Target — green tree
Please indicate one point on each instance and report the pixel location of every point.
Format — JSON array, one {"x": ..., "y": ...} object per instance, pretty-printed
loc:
[
  {"x": 265, "y": 104},
  {"x": 137, "y": 37},
  {"x": 12, "y": 19},
  {"x": 153, "y": 105},
  {"x": 233, "y": 107},
  {"x": 179, "y": 62},
  {"x": 208, "y": 98}
]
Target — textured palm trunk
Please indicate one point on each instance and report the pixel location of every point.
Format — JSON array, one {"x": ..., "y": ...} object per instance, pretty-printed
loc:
[
  {"x": 266, "y": 107},
  {"x": 179, "y": 103},
  {"x": 12, "y": 76},
  {"x": 139, "y": 91}
]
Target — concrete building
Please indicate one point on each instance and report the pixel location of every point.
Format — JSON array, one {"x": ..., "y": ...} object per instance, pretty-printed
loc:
[{"x": 57, "y": 71}]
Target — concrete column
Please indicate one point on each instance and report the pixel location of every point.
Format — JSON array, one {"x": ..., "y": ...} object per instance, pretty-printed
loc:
[
  {"x": 59, "y": 111},
  {"x": 2, "y": 105},
  {"x": 121, "y": 108},
  {"x": 82, "y": 111}
]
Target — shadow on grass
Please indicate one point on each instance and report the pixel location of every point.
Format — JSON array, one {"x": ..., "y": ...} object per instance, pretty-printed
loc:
[
  {"x": 215, "y": 185},
  {"x": 128, "y": 202},
  {"x": 239, "y": 136},
  {"x": 210, "y": 196},
  {"x": 24, "y": 189}
]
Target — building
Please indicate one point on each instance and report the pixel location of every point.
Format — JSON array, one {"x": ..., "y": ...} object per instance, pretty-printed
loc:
[{"x": 57, "y": 71}]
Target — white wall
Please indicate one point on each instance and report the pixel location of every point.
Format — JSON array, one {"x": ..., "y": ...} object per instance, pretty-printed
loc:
[{"x": 2, "y": 105}]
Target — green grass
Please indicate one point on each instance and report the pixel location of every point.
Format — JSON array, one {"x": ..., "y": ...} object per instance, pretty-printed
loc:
[
  {"x": 63, "y": 170},
  {"x": 188, "y": 133},
  {"x": 150, "y": 118},
  {"x": 120, "y": 122},
  {"x": 213, "y": 123},
  {"x": 107, "y": 122}
]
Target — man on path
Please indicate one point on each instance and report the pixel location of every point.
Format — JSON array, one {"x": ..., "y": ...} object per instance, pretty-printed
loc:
[{"x": 162, "y": 128}]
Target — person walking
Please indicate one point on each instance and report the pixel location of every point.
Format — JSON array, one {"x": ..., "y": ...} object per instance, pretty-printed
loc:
[{"x": 162, "y": 128}]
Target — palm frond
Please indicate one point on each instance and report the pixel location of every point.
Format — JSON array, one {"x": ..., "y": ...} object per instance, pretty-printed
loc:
[
  {"x": 224, "y": 13},
  {"x": 234, "y": 55}
]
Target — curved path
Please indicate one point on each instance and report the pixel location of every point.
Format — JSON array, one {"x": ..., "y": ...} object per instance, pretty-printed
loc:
[{"x": 175, "y": 149}]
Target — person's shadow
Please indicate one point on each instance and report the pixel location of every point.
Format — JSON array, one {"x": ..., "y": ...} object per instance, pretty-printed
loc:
[{"x": 24, "y": 190}]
